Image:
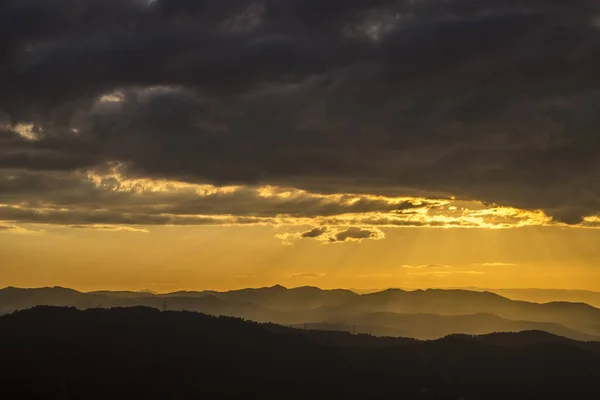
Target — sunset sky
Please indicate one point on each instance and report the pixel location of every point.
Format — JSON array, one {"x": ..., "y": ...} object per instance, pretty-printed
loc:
[{"x": 199, "y": 144}]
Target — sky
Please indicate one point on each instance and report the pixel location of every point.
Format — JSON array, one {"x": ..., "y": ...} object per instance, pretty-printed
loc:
[{"x": 203, "y": 144}]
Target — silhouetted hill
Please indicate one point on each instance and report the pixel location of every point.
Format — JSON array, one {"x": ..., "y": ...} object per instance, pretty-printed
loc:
[
  {"x": 279, "y": 297},
  {"x": 121, "y": 294},
  {"x": 376, "y": 330},
  {"x": 433, "y": 326},
  {"x": 577, "y": 316},
  {"x": 12, "y": 299},
  {"x": 550, "y": 295},
  {"x": 127, "y": 353}
]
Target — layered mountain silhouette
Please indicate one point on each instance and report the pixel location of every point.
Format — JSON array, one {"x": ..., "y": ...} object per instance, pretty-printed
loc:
[
  {"x": 530, "y": 294},
  {"x": 433, "y": 326},
  {"x": 140, "y": 352},
  {"x": 422, "y": 314},
  {"x": 548, "y": 295}
]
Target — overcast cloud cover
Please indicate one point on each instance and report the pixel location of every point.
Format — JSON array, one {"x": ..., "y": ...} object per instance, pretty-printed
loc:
[{"x": 496, "y": 101}]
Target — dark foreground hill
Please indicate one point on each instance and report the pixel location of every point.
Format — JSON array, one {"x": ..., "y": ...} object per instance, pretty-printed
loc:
[{"x": 142, "y": 353}]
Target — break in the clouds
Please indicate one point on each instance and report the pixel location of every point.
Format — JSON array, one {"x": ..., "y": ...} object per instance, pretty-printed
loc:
[
  {"x": 106, "y": 200},
  {"x": 343, "y": 105},
  {"x": 9, "y": 228}
]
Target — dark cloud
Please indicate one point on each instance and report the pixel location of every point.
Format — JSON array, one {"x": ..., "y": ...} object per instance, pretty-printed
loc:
[
  {"x": 357, "y": 234},
  {"x": 331, "y": 235},
  {"x": 315, "y": 232},
  {"x": 108, "y": 228},
  {"x": 84, "y": 193},
  {"x": 11, "y": 229},
  {"x": 493, "y": 100},
  {"x": 79, "y": 218},
  {"x": 79, "y": 199}
]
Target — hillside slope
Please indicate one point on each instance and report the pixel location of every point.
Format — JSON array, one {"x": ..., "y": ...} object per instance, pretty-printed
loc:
[{"x": 60, "y": 353}]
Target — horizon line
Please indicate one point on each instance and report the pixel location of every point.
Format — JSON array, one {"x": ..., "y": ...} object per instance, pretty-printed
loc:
[{"x": 353, "y": 290}]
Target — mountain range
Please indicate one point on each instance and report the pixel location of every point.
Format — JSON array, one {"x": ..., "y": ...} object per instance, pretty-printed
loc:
[
  {"x": 547, "y": 295},
  {"x": 422, "y": 314}
]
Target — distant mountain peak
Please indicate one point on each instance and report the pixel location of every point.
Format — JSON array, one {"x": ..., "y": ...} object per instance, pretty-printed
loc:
[
  {"x": 56, "y": 288},
  {"x": 278, "y": 287},
  {"x": 394, "y": 290},
  {"x": 311, "y": 288}
]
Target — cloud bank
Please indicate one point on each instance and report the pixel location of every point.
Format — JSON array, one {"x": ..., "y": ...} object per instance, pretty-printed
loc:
[{"x": 357, "y": 114}]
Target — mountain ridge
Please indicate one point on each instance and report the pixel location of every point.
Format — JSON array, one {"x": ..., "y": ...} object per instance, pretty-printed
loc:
[{"x": 310, "y": 304}]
